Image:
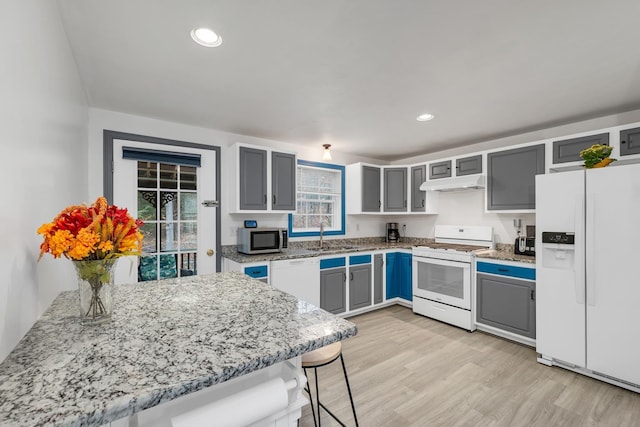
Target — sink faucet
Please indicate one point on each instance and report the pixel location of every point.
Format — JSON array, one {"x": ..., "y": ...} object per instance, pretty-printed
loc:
[{"x": 321, "y": 233}]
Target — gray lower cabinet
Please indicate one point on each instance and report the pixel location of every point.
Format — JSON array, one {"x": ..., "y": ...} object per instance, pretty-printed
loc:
[
  {"x": 418, "y": 197},
  {"x": 507, "y": 304},
  {"x": 395, "y": 189},
  {"x": 511, "y": 177},
  {"x": 469, "y": 165},
  {"x": 359, "y": 286},
  {"x": 629, "y": 142},
  {"x": 333, "y": 290},
  {"x": 283, "y": 181},
  {"x": 253, "y": 179},
  {"x": 568, "y": 150},
  {"x": 440, "y": 170},
  {"x": 370, "y": 189},
  {"x": 378, "y": 275}
]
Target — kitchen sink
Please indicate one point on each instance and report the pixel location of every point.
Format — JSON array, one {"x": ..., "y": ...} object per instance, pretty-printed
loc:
[{"x": 334, "y": 248}]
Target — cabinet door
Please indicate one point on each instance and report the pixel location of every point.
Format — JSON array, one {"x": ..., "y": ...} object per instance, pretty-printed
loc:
[
  {"x": 392, "y": 277},
  {"x": 395, "y": 189},
  {"x": 568, "y": 150},
  {"x": 469, "y": 165},
  {"x": 253, "y": 179},
  {"x": 440, "y": 170},
  {"x": 404, "y": 267},
  {"x": 283, "y": 181},
  {"x": 511, "y": 183},
  {"x": 333, "y": 290},
  {"x": 370, "y": 189},
  {"x": 418, "y": 197},
  {"x": 378, "y": 274},
  {"x": 359, "y": 286},
  {"x": 507, "y": 304},
  {"x": 629, "y": 141}
]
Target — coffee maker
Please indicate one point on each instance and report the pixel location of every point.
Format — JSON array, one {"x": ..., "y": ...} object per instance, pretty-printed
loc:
[{"x": 393, "y": 233}]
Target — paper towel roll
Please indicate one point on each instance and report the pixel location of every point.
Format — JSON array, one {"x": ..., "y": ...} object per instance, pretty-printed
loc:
[{"x": 240, "y": 409}]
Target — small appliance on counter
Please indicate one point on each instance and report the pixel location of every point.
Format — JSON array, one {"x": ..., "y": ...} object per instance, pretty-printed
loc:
[
  {"x": 252, "y": 241},
  {"x": 526, "y": 245},
  {"x": 393, "y": 233}
]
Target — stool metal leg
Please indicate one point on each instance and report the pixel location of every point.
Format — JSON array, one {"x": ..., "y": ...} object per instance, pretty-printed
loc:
[
  {"x": 308, "y": 390},
  {"x": 346, "y": 379},
  {"x": 315, "y": 374}
]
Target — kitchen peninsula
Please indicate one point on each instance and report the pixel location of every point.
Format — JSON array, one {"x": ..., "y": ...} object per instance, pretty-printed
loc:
[{"x": 167, "y": 339}]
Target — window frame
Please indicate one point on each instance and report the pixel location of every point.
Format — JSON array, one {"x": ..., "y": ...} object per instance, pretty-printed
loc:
[{"x": 343, "y": 215}]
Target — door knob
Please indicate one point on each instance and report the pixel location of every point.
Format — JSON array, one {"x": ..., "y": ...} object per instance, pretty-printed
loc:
[{"x": 210, "y": 252}]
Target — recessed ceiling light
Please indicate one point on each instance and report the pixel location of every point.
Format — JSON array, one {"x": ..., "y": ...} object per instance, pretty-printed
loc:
[
  {"x": 206, "y": 37},
  {"x": 425, "y": 117}
]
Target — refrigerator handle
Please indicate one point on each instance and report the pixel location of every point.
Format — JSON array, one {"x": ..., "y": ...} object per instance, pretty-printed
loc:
[
  {"x": 578, "y": 264},
  {"x": 589, "y": 261}
]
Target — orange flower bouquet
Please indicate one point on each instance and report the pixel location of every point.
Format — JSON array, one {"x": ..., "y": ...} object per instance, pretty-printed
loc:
[{"x": 94, "y": 237}]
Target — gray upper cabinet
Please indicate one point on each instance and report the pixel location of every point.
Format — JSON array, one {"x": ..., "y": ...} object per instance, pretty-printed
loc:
[
  {"x": 253, "y": 179},
  {"x": 395, "y": 189},
  {"x": 440, "y": 170},
  {"x": 333, "y": 290},
  {"x": 378, "y": 274},
  {"x": 469, "y": 165},
  {"x": 359, "y": 286},
  {"x": 506, "y": 303},
  {"x": 568, "y": 150},
  {"x": 283, "y": 181},
  {"x": 370, "y": 189},
  {"x": 418, "y": 197},
  {"x": 629, "y": 142},
  {"x": 511, "y": 177}
]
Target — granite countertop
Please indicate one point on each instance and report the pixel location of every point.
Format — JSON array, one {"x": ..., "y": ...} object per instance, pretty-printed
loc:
[
  {"x": 311, "y": 250},
  {"x": 166, "y": 339},
  {"x": 505, "y": 253}
]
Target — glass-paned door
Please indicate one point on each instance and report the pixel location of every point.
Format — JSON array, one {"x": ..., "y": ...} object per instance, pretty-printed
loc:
[{"x": 178, "y": 230}]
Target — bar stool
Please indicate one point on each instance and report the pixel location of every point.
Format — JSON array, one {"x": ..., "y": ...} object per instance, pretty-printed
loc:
[{"x": 316, "y": 359}]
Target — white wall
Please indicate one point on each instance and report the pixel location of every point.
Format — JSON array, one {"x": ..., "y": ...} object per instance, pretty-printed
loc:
[
  {"x": 100, "y": 120},
  {"x": 43, "y": 147},
  {"x": 465, "y": 208}
]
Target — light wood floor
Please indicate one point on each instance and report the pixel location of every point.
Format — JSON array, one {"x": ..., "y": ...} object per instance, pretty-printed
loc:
[{"x": 408, "y": 370}]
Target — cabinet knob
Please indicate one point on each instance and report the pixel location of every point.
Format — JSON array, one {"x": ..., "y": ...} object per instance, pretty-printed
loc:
[
  {"x": 210, "y": 252},
  {"x": 623, "y": 142},
  {"x": 351, "y": 276},
  {"x": 423, "y": 203},
  {"x": 274, "y": 199},
  {"x": 265, "y": 199}
]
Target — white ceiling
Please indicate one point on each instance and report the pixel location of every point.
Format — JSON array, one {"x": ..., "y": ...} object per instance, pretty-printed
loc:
[{"x": 356, "y": 73}]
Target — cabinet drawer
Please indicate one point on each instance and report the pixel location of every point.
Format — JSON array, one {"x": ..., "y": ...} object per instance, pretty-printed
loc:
[
  {"x": 359, "y": 259},
  {"x": 332, "y": 263},
  {"x": 257, "y": 272},
  {"x": 506, "y": 270}
]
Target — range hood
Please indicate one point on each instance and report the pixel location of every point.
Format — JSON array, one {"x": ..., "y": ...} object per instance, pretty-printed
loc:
[{"x": 458, "y": 183}]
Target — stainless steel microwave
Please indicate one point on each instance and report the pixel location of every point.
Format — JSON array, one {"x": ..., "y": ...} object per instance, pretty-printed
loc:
[{"x": 261, "y": 240}]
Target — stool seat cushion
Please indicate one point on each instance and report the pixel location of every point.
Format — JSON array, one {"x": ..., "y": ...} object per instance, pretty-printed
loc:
[{"x": 322, "y": 356}]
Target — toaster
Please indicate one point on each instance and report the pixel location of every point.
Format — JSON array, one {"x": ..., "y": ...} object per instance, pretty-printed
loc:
[{"x": 525, "y": 246}]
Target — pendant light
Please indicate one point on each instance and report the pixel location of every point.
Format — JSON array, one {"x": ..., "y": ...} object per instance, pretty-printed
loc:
[{"x": 326, "y": 154}]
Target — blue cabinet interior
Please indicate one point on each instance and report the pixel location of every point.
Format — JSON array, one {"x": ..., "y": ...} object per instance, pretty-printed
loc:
[{"x": 399, "y": 275}]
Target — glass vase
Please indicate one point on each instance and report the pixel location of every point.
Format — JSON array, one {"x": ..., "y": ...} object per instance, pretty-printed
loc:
[{"x": 95, "y": 286}]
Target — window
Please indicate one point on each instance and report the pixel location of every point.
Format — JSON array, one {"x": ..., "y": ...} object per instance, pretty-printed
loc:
[{"x": 319, "y": 199}]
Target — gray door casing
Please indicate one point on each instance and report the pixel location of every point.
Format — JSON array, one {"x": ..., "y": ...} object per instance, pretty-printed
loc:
[
  {"x": 507, "y": 304},
  {"x": 359, "y": 286},
  {"x": 511, "y": 177},
  {"x": 333, "y": 293},
  {"x": 378, "y": 275},
  {"x": 469, "y": 165},
  {"x": 440, "y": 170},
  {"x": 283, "y": 181},
  {"x": 418, "y": 197},
  {"x": 395, "y": 189},
  {"x": 568, "y": 150},
  {"x": 253, "y": 179},
  {"x": 370, "y": 189},
  {"x": 629, "y": 142}
]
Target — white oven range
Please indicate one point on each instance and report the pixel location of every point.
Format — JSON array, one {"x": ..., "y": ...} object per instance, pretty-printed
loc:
[{"x": 444, "y": 274}]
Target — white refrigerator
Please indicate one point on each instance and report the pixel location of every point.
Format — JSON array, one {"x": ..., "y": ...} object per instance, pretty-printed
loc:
[{"x": 588, "y": 272}]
